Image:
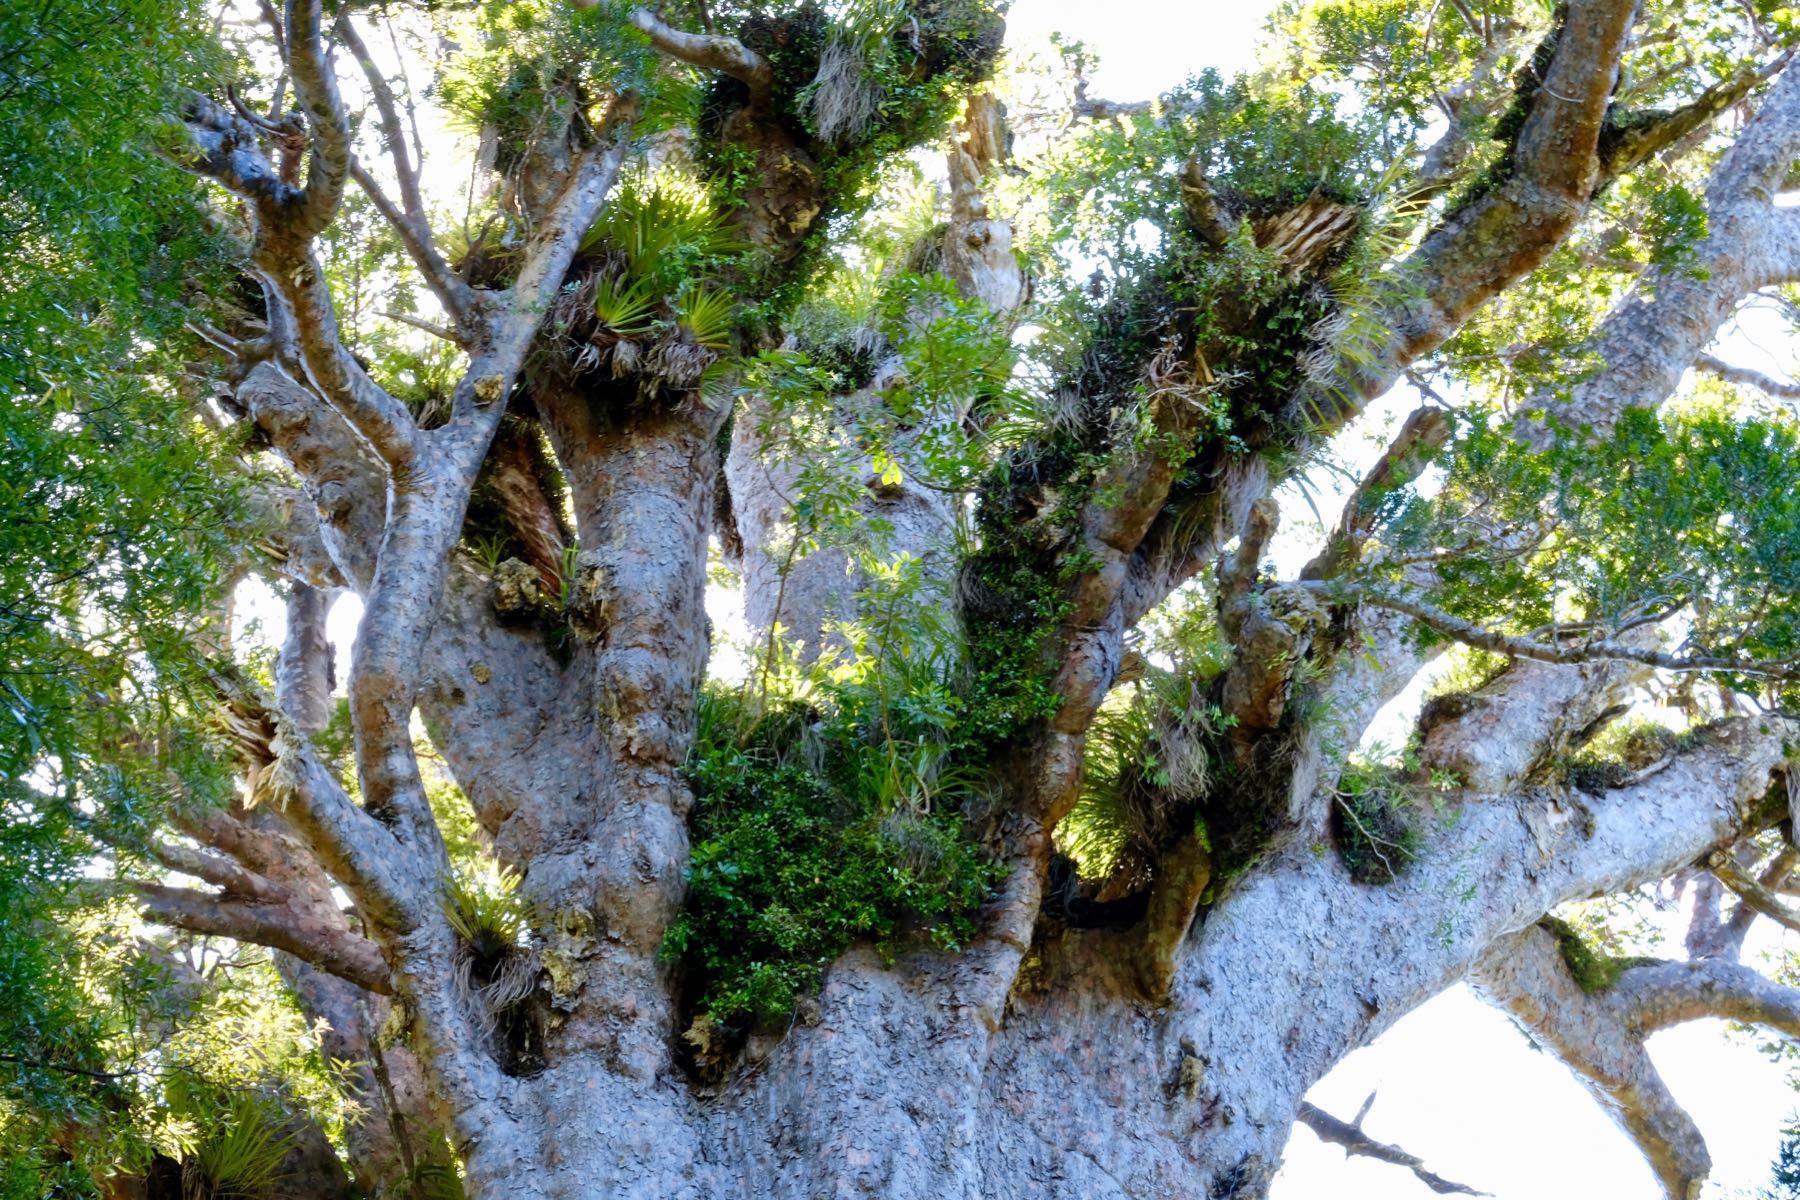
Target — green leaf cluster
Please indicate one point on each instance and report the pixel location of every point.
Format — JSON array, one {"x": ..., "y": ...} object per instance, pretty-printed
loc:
[
  {"x": 116, "y": 527},
  {"x": 834, "y": 805},
  {"x": 1695, "y": 507}
]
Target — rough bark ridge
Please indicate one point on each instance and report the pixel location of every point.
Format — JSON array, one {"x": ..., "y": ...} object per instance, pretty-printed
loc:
[{"x": 1165, "y": 1058}]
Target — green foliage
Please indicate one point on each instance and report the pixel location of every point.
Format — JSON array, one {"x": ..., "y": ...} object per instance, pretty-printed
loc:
[
  {"x": 1112, "y": 191},
  {"x": 831, "y": 808},
  {"x": 1396, "y": 55},
  {"x": 430, "y": 1180},
  {"x": 791, "y": 866},
  {"x": 940, "y": 413},
  {"x": 1593, "y": 969},
  {"x": 704, "y": 315},
  {"x": 115, "y": 527},
  {"x": 665, "y": 226},
  {"x": 1674, "y": 223},
  {"x": 1151, "y": 758},
  {"x": 856, "y": 92},
  {"x": 624, "y": 306},
  {"x": 654, "y": 258},
  {"x": 532, "y": 69},
  {"x": 1375, "y": 822},
  {"x": 482, "y": 904},
  {"x": 1621, "y": 750},
  {"x": 1697, "y": 506},
  {"x": 242, "y": 1151},
  {"x": 194, "y": 1052}
]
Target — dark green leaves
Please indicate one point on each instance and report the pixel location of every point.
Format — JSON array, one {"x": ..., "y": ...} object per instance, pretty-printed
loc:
[{"x": 1694, "y": 511}]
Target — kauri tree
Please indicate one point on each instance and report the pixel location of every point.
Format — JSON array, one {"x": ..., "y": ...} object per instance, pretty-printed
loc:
[{"x": 1021, "y": 838}]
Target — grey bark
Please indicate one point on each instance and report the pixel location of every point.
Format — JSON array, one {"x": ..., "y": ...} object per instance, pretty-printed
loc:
[{"x": 1040, "y": 1061}]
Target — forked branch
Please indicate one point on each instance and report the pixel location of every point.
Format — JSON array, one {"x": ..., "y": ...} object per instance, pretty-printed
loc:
[
  {"x": 283, "y": 926},
  {"x": 1350, "y": 1135},
  {"x": 1583, "y": 1025}
]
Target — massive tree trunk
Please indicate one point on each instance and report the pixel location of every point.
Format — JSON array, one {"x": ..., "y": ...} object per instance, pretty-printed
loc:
[{"x": 1165, "y": 1057}]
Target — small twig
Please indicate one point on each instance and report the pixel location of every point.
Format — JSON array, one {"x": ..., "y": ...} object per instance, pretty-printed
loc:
[
  {"x": 1351, "y": 1137},
  {"x": 430, "y": 327},
  {"x": 37, "y": 1065},
  {"x": 1781, "y": 389},
  {"x": 1598, "y": 650}
]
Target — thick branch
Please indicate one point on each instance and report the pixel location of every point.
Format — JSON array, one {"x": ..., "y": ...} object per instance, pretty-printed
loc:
[
  {"x": 425, "y": 509},
  {"x": 303, "y": 672},
  {"x": 217, "y": 870},
  {"x": 1621, "y": 152},
  {"x": 1510, "y": 230},
  {"x": 289, "y": 269},
  {"x": 303, "y": 322},
  {"x": 342, "y": 481},
  {"x": 279, "y": 927},
  {"x": 1660, "y": 329},
  {"x": 710, "y": 52},
  {"x": 315, "y": 87},
  {"x": 1182, "y": 876},
  {"x": 1657, "y": 996},
  {"x": 1499, "y": 865},
  {"x": 1527, "y": 976},
  {"x": 552, "y": 247},
  {"x": 1599, "y": 1030},
  {"x": 356, "y": 848},
  {"x": 1204, "y": 213}
]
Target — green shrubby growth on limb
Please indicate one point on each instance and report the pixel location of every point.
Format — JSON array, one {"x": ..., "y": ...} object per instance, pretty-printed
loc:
[{"x": 836, "y": 803}]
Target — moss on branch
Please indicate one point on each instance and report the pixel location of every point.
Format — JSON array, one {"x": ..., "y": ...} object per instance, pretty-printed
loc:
[{"x": 1593, "y": 971}]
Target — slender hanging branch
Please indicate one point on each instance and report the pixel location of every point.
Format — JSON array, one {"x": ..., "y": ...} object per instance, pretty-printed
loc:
[
  {"x": 1753, "y": 892},
  {"x": 1424, "y": 433},
  {"x": 1596, "y": 650},
  {"x": 1780, "y": 389}
]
